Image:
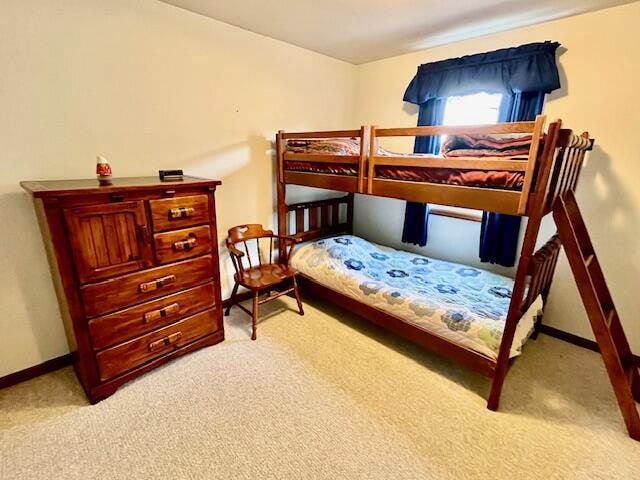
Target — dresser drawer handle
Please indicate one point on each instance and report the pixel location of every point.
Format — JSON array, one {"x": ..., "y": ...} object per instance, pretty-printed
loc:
[
  {"x": 182, "y": 212},
  {"x": 161, "y": 312},
  {"x": 165, "y": 342},
  {"x": 185, "y": 245},
  {"x": 157, "y": 283}
]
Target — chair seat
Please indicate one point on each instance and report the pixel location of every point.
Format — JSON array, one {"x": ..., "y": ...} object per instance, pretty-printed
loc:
[{"x": 264, "y": 275}]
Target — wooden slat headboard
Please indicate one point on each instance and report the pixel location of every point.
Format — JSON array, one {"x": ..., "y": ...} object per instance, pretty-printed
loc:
[
  {"x": 567, "y": 165},
  {"x": 541, "y": 269},
  {"x": 320, "y": 218}
]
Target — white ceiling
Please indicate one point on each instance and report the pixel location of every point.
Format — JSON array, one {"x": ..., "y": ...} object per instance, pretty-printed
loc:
[{"x": 360, "y": 31}]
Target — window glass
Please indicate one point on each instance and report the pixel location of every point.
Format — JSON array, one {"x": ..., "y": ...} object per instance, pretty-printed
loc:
[{"x": 476, "y": 109}]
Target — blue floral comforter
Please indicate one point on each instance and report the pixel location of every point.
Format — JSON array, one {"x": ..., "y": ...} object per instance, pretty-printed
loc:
[{"x": 464, "y": 304}]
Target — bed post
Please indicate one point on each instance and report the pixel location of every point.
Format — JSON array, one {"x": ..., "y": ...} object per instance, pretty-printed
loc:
[
  {"x": 536, "y": 212},
  {"x": 282, "y": 210},
  {"x": 531, "y": 162},
  {"x": 371, "y": 167},
  {"x": 365, "y": 133},
  {"x": 350, "y": 207}
]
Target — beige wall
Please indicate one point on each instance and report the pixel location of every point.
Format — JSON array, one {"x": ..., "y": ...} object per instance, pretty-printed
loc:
[
  {"x": 600, "y": 74},
  {"x": 149, "y": 86}
]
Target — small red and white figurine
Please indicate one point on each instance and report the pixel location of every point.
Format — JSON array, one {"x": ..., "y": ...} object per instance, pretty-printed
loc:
[{"x": 103, "y": 171}]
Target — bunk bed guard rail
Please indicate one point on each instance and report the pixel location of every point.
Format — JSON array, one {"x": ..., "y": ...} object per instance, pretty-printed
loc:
[
  {"x": 334, "y": 182},
  {"x": 497, "y": 200},
  {"x": 369, "y": 157}
]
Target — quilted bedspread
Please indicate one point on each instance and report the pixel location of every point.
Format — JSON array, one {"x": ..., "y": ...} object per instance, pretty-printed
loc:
[{"x": 464, "y": 304}]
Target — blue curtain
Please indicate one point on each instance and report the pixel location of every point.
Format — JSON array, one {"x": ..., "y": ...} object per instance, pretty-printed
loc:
[
  {"x": 527, "y": 68},
  {"x": 416, "y": 215},
  {"x": 523, "y": 75},
  {"x": 521, "y": 106},
  {"x": 499, "y": 233}
]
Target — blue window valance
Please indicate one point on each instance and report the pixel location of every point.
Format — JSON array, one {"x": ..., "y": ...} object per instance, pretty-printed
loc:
[{"x": 527, "y": 68}]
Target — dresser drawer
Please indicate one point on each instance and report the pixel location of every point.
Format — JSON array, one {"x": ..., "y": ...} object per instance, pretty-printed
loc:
[
  {"x": 180, "y": 244},
  {"x": 120, "y": 292},
  {"x": 123, "y": 357},
  {"x": 134, "y": 321},
  {"x": 179, "y": 212}
]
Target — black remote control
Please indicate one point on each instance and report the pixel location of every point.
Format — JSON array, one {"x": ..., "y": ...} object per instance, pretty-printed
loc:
[{"x": 166, "y": 175}]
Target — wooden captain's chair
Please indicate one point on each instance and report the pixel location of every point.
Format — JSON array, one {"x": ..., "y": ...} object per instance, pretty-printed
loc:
[{"x": 257, "y": 276}]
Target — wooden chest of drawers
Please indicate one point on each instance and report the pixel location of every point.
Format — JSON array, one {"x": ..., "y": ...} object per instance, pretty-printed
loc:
[{"x": 136, "y": 270}]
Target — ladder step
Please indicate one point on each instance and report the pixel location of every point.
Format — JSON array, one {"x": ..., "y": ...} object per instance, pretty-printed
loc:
[
  {"x": 632, "y": 376},
  {"x": 609, "y": 317},
  {"x": 589, "y": 259}
]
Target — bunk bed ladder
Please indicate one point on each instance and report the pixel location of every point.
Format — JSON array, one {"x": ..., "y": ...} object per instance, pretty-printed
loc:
[{"x": 603, "y": 316}]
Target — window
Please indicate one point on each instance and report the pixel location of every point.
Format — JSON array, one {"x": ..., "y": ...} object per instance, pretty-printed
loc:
[{"x": 476, "y": 109}]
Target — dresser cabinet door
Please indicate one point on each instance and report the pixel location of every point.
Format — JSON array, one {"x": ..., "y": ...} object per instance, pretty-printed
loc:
[{"x": 109, "y": 239}]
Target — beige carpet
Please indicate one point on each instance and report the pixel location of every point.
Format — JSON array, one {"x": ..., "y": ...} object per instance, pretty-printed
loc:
[{"x": 323, "y": 396}]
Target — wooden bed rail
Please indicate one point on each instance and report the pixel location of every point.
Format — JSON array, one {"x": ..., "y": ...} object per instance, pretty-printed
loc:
[
  {"x": 541, "y": 269},
  {"x": 514, "y": 202},
  {"x": 427, "y": 131},
  {"x": 322, "y": 218},
  {"x": 360, "y": 161},
  {"x": 322, "y": 134}
]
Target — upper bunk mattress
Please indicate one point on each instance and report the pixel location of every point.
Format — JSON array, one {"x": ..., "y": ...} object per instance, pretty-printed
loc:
[
  {"x": 499, "y": 179},
  {"x": 465, "y": 305},
  {"x": 513, "y": 146}
]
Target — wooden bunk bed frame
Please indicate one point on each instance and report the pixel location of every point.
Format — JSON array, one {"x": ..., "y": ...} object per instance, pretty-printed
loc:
[
  {"x": 551, "y": 170},
  {"x": 490, "y": 199}
]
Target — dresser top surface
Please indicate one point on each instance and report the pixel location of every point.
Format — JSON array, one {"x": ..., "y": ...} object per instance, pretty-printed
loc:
[{"x": 46, "y": 188}]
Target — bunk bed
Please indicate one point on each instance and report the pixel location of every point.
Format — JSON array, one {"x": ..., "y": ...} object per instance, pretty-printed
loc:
[{"x": 353, "y": 161}]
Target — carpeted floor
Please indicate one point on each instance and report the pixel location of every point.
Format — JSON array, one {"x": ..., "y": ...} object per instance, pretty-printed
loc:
[{"x": 323, "y": 396}]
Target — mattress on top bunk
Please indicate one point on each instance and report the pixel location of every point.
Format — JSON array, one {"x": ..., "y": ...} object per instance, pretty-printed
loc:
[
  {"x": 475, "y": 145},
  {"x": 465, "y": 305},
  {"x": 513, "y": 146},
  {"x": 500, "y": 179}
]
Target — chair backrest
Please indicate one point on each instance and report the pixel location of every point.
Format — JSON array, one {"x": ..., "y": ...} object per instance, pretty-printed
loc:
[
  {"x": 238, "y": 238},
  {"x": 250, "y": 231}
]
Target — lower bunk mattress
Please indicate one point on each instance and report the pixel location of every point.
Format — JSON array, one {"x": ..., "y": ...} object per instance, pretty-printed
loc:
[{"x": 467, "y": 306}]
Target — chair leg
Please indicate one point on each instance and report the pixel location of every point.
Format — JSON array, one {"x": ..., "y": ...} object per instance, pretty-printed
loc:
[
  {"x": 232, "y": 299},
  {"x": 254, "y": 314},
  {"x": 297, "y": 293}
]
